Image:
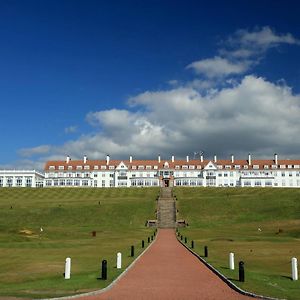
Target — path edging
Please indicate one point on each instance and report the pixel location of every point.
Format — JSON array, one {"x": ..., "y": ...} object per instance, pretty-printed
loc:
[
  {"x": 98, "y": 292},
  {"x": 224, "y": 278}
]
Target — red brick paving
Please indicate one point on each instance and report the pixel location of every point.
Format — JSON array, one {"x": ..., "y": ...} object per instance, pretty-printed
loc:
[{"x": 168, "y": 271}]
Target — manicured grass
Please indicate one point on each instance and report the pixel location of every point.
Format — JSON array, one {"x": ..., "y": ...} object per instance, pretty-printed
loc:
[
  {"x": 32, "y": 262},
  {"x": 261, "y": 226}
]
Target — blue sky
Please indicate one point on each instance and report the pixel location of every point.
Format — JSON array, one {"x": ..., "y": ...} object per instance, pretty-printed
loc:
[{"x": 148, "y": 77}]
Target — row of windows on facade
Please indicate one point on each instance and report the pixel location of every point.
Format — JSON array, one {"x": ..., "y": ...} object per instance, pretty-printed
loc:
[
  {"x": 177, "y": 174},
  {"x": 69, "y": 182},
  {"x": 237, "y": 167}
]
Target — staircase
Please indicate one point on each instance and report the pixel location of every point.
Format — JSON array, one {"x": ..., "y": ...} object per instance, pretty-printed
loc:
[{"x": 166, "y": 214}]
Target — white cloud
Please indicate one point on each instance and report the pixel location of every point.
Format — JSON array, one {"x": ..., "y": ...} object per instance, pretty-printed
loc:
[
  {"x": 241, "y": 52},
  {"x": 253, "y": 115},
  {"x": 217, "y": 66},
  {"x": 27, "y": 152}
]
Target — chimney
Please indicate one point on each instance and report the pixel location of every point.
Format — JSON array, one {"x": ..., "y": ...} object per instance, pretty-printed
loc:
[
  {"x": 249, "y": 159},
  {"x": 68, "y": 159},
  {"x": 187, "y": 158},
  {"x": 173, "y": 158},
  {"x": 84, "y": 159},
  {"x": 159, "y": 158},
  {"x": 232, "y": 158},
  {"x": 107, "y": 159},
  {"x": 215, "y": 158},
  {"x": 276, "y": 159},
  {"x": 201, "y": 158},
  {"x": 130, "y": 159}
]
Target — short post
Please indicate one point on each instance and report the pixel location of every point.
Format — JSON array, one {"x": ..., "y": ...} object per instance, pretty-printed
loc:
[
  {"x": 94, "y": 233},
  {"x": 294, "y": 269},
  {"x": 185, "y": 240},
  {"x": 241, "y": 271},
  {"x": 231, "y": 261},
  {"x": 151, "y": 237},
  {"x": 104, "y": 270},
  {"x": 68, "y": 268},
  {"x": 132, "y": 251},
  {"x": 148, "y": 240},
  {"x": 143, "y": 243},
  {"x": 181, "y": 237},
  {"x": 154, "y": 233},
  {"x": 205, "y": 251},
  {"x": 119, "y": 260},
  {"x": 192, "y": 244}
]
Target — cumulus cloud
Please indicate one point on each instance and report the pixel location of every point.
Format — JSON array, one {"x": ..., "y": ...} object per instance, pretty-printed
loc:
[
  {"x": 253, "y": 115},
  {"x": 27, "y": 152},
  {"x": 217, "y": 66},
  {"x": 241, "y": 51}
]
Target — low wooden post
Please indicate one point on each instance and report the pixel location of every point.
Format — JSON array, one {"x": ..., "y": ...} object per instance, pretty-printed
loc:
[
  {"x": 132, "y": 251},
  {"x": 143, "y": 243},
  {"x": 231, "y": 261},
  {"x": 241, "y": 272},
  {"x": 192, "y": 244},
  {"x": 68, "y": 268},
  {"x": 205, "y": 251},
  {"x": 294, "y": 268},
  {"x": 119, "y": 260},
  {"x": 104, "y": 270}
]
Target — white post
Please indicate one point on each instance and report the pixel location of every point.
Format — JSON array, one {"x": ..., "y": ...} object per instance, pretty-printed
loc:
[
  {"x": 231, "y": 261},
  {"x": 68, "y": 268},
  {"x": 294, "y": 269},
  {"x": 119, "y": 260}
]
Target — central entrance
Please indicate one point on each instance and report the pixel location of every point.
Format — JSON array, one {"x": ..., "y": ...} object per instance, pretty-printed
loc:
[{"x": 166, "y": 182}]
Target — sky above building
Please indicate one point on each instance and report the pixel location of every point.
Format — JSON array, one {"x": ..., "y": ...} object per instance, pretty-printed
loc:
[{"x": 144, "y": 78}]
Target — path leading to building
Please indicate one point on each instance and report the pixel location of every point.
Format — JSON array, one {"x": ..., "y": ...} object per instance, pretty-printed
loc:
[{"x": 168, "y": 271}]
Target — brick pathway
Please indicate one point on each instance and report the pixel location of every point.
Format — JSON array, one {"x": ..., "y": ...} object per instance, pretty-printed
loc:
[{"x": 168, "y": 271}]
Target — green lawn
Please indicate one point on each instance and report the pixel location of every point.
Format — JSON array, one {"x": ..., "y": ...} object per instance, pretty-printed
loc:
[
  {"x": 228, "y": 220},
  {"x": 32, "y": 262}
]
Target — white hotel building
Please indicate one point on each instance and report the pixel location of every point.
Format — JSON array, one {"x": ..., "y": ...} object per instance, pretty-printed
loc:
[
  {"x": 21, "y": 178},
  {"x": 196, "y": 172}
]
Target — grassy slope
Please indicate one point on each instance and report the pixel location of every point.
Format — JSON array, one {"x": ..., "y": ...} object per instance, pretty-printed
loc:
[
  {"x": 227, "y": 220},
  {"x": 32, "y": 264}
]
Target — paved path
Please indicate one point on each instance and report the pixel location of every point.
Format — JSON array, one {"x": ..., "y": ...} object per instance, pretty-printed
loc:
[{"x": 168, "y": 271}]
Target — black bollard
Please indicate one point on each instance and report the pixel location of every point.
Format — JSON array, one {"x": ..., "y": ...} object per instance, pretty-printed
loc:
[
  {"x": 151, "y": 237},
  {"x": 148, "y": 240},
  {"x": 132, "y": 251},
  {"x": 205, "y": 251},
  {"x": 185, "y": 240},
  {"x": 192, "y": 244},
  {"x": 154, "y": 233},
  {"x": 104, "y": 270},
  {"x": 181, "y": 237},
  {"x": 143, "y": 244},
  {"x": 241, "y": 272}
]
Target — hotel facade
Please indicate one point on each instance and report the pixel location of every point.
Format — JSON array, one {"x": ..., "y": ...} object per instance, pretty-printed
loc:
[
  {"x": 196, "y": 172},
  {"x": 153, "y": 173}
]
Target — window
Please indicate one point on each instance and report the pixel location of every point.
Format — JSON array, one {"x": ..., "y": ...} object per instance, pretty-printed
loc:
[
  {"x": 85, "y": 182},
  {"x": 96, "y": 167},
  {"x": 256, "y": 167},
  {"x": 177, "y": 167},
  {"x": 48, "y": 182},
  {"x": 191, "y": 167},
  {"x": 257, "y": 183},
  {"x": 19, "y": 181},
  {"x": 86, "y": 167},
  {"x": 245, "y": 167},
  {"x": 141, "y": 167},
  {"x": 111, "y": 167},
  {"x": 78, "y": 167},
  {"x": 28, "y": 181},
  {"x": 148, "y": 167},
  {"x": 111, "y": 175},
  {"x": 266, "y": 167},
  {"x": 61, "y": 167},
  {"x": 227, "y": 167},
  {"x": 103, "y": 167},
  {"x": 237, "y": 167},
  {"x": 51, "y": 168},
  {"x": 184, "y": 167},
  {"x": 103, "y": 183},
  {"x": 70, "y": 167}
]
